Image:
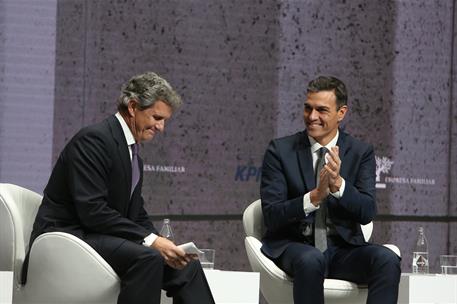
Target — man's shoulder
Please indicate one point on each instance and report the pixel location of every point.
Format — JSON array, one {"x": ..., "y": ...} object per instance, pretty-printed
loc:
[
  {"x": 100, "y": 128},
  {"x": 98, "y": 132},
  {"x": 290, "y": 140},
  {"x": 287, "y": 144}
]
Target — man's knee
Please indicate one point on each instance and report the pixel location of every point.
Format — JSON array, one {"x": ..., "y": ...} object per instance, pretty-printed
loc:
[
  {"x": 385, "y": 258},
  {"x": 310, "y": 260},
  {"x": 150, "y": 258},
  {"x": 194, "y": 267}
]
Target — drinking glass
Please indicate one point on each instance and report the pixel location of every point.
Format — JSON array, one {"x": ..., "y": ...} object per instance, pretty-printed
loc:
[
  {"x": 207, "y": 258},
  {"x": 448, "y": 264}
]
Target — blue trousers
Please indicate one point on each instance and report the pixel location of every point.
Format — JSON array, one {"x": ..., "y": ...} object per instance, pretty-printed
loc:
[{"x": 375, "y": 265}]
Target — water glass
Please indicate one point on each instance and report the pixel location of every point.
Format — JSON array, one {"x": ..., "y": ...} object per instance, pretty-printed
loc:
[
  {"x": 448, "y": 264},
  {"x": 207, "y": 258}
]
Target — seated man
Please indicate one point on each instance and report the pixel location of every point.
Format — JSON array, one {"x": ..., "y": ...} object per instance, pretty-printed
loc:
[
  {"x": 94, "y": 193},
  {"x": 317, "y": 187}
]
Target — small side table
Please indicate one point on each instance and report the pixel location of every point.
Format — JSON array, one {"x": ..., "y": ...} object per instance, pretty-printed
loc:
[
  {"x": 234, "y": 286},
  {"x": 431, "y": 288},
  {"x": 6, "y": 287}
]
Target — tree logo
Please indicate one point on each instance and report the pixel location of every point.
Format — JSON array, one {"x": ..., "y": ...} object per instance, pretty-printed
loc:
[{"x": 383, "y": 165}]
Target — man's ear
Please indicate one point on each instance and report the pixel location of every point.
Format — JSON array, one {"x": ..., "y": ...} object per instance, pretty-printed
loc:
[
  {"x": 342, "y": 112},
  {"x": 132, "y": 107}
]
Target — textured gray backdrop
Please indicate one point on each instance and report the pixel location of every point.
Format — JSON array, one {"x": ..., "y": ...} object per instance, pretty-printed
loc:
[{"x": 242, "y": 68}]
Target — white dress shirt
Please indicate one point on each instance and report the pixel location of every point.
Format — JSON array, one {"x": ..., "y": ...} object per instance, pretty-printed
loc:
[{"x": 315, "y": 146}]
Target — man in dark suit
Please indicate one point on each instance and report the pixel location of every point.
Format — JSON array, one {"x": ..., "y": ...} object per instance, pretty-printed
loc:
[
  {"x": 94, "y": 193},
  {"x": 317, "y": 187}
]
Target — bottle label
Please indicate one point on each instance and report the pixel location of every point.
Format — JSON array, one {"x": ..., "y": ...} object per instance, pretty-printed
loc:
[{"x": 420, "y": 262}]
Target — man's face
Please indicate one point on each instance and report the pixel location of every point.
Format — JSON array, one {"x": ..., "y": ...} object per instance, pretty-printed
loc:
[
  {"x": 144, "y": 124},
  {"x": 322, "y": 117}
]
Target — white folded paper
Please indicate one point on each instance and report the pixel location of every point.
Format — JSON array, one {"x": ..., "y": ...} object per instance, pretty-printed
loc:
[{"x": 190, "y": 248}]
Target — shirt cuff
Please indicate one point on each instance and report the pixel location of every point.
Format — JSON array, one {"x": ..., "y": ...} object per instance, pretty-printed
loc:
[
  {"x": 338, "y": 194},
  {"x": 150, "y": 239},
  {"x": 307, "y": 205}
]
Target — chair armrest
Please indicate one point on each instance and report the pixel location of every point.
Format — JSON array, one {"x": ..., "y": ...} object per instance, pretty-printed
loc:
[
  {"x": 65, "y": 269},
  {"x": 260, "y": 263},
  {"x": 275, "y": 285},
  {"x": 394, "y": 249}
]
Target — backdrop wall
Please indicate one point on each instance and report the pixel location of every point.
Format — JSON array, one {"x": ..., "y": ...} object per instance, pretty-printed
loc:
[{"x": 242, "y": 69}]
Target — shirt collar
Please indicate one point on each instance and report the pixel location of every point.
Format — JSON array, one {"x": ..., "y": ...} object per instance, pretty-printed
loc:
[
  {"x": 127, "y": 132},
  {"x": 316, "y": 146}
]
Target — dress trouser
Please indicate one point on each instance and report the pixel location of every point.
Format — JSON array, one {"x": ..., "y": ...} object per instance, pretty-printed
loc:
[
  {"x": 375, "y": 265},
  {"x": 143, "y": 273}
]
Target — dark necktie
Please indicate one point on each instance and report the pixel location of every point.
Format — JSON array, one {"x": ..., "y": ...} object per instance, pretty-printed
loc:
[
  {"x": 135, "y": 167},
  {"x": 320, "y": 229}
]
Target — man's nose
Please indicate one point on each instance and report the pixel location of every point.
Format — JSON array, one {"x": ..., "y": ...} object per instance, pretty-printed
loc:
[
  {"x": 160, "y": 125},
  {"x": 313, "y": 115}
]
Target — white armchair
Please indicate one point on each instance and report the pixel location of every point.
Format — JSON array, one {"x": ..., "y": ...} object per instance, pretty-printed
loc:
[
  {"x": 62, "y": 268},
  {"x": 276, "y": 285}
]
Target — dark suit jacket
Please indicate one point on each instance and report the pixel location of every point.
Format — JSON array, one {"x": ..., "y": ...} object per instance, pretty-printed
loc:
[
  {"x": 287, "y": 174},
  {"x": 89, "y": 188}
]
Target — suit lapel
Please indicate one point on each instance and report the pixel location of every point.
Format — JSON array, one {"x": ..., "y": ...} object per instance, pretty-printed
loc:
[
  {"x": 305, "y": 161},
  {"x": 344, "y": 148},
  {"x": 123, "y": 153}
]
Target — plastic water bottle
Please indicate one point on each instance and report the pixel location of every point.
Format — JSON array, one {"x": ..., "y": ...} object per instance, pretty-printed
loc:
[
  {"x": 166, "y": 231},
  {"x": 420, "y": 254}
]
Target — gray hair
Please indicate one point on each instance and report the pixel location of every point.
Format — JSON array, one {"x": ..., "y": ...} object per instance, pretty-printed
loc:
[{"x": 146, "y": 89}]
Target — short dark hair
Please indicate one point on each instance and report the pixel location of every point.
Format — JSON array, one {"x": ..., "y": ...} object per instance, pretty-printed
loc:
[{"x": 330, "y": 83}]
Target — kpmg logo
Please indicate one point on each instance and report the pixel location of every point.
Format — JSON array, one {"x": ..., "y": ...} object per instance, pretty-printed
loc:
[
  {"x": 384, "y": 165},
  {"x": 248, "y": 173}
]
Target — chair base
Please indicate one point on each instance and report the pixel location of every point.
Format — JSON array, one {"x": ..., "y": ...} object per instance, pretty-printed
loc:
[{"x": 277, "y": 287}]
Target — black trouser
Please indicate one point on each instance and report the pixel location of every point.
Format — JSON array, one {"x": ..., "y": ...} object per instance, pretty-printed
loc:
[
  {"x": 375, "y": 265},
  {"x": 144, "y": 273}
]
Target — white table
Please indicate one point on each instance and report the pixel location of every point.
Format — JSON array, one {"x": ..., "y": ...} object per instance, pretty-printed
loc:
[
  {"x": 6, "y": 287},
  {"x": 230, "y": 287},
  {"x": 432, "y": 288}
]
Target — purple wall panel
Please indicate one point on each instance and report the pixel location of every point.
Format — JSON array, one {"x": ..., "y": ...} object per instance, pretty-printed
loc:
[
  {"x": 452, "y": 249},
  {"x": 420, "y": 95},
  {"x": 27, "y": 55},
  {"x": 453, "y": 140},
  {"x": 70, "y": 83},
  {"x": 350, "y": 40},
  {"x": 219, "y": 57}
]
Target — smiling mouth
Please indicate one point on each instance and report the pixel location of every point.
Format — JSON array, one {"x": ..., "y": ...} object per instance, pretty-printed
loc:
[{"x": 313, "y": 125}]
